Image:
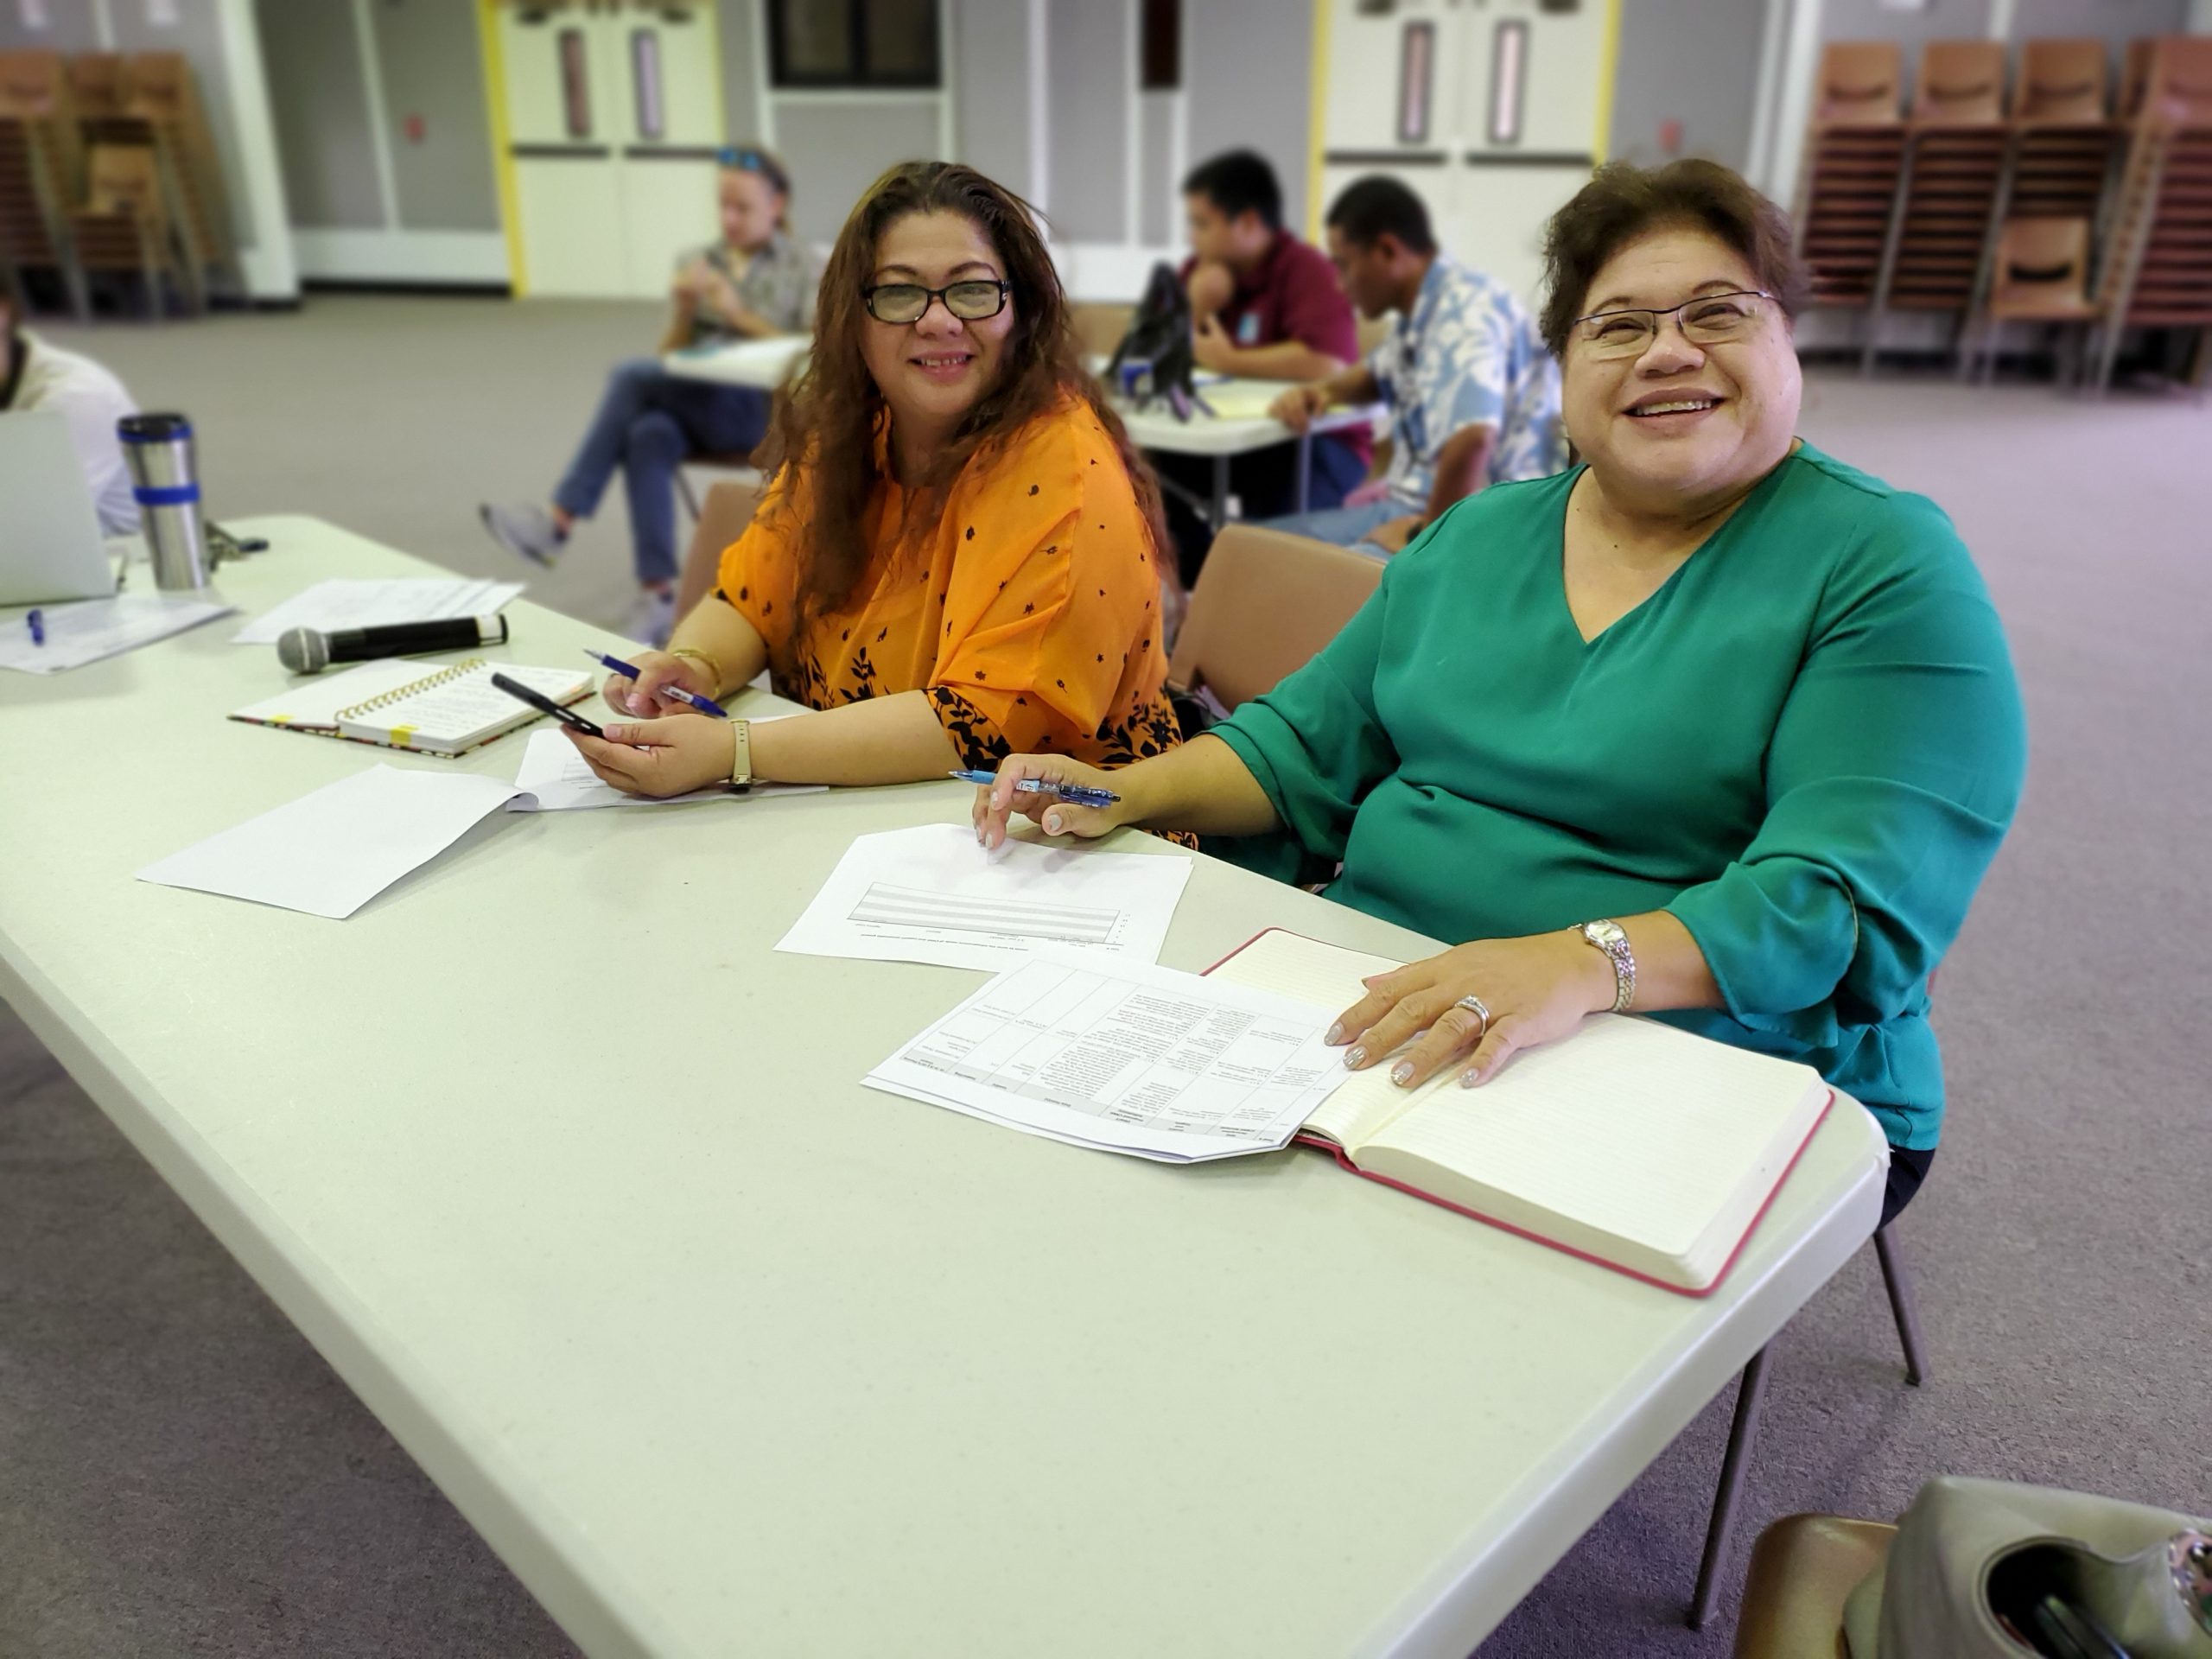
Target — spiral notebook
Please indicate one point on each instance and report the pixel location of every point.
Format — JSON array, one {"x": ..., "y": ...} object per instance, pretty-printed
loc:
[{"x": 398, "y": 706}]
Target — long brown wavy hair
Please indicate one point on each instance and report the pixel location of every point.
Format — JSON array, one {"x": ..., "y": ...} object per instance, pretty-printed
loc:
[{"x": 824, "y": 423}]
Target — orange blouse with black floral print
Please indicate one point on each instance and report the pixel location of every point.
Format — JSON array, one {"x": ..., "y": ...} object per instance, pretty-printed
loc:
[{"x": 1029, "y": 614}]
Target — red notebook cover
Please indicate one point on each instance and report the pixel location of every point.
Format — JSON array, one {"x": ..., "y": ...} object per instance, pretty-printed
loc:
[{"x": 1343, "y": 1160}]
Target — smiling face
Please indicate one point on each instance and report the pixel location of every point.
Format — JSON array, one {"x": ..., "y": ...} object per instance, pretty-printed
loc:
[
  {"x": 932, "y": 370},
  {"x": 750, "y": 209},
  {"x": 1681, "y": 425}
]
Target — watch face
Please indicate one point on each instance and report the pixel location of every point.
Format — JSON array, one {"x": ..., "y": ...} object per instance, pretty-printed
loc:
[{"x": 1604, "y": 933}]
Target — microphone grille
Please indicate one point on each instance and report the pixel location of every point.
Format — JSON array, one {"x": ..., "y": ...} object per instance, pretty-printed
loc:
[{"x": 304, "y": 651}]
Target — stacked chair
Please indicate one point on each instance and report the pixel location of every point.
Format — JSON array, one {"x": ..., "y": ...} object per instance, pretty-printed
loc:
[
  {"x": 1955, "y": 149},
  {"x": 1853, "y": 162},
  {"x": 41, "y": 175},
  {"x": 2157, "y": 265}
]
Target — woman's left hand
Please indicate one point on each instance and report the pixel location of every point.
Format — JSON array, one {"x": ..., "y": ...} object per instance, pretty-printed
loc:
[
  {"x": 660, "y": 758},
  {"x": 1537, "y": 989}
]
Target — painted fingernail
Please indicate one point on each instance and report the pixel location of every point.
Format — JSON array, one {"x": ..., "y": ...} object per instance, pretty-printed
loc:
[
  {"x": 1335, "y": 1033},
  {"x": 1402, "y": 1073},
  {"x": 1470, "y": 1077},
  {"x": 1355, "y": 1058}
]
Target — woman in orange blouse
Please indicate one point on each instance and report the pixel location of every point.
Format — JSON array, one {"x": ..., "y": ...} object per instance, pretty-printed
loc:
[{"x": 958, "y": 558}]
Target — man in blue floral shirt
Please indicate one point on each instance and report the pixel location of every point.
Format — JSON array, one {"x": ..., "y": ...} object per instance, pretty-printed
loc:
[{"x": 1473, "y": 395}]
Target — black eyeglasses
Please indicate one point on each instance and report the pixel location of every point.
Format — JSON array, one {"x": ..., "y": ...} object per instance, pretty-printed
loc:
[
  {"x": 970, "y": 302},
  {"x": 1708, "y": 319}
]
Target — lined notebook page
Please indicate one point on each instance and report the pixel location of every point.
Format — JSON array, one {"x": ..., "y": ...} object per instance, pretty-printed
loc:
[
  {"x": 313, "y": 704},
  {"x": 1328, "y": 976},
  {"x": 459, "y": 712},
  {"x": 1635, "y": 1130}
]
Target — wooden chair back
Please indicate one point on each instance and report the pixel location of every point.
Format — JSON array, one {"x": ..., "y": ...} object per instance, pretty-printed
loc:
[
  {"x": 1861, "y": 85},
  {"x": 1961, "y": 84},
  {"x": 1266, "y": 602},
  {"x": 2041, "y": 270},
  {"x": 2061, "y": 83}
]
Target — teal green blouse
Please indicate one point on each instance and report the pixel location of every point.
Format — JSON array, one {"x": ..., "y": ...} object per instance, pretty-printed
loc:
[{"x": 1807, "y": 746}]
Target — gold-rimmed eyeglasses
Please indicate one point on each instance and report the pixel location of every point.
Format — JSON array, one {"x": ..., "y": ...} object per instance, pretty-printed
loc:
[{"x": 1707, "y": 319}]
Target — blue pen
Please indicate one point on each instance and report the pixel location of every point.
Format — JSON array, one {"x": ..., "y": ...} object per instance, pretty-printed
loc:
[
  {"x": 37, "y": 621},
  {"x": 628, "y": 671},
  {"x": 1073, "y": 794}
]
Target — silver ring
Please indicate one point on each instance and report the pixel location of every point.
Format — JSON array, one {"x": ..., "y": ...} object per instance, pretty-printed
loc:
[{"x": 1473, "y": 1005}]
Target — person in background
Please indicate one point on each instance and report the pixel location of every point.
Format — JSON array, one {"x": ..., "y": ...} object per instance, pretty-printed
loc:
[
  {"x": 755, "y": 282},
  {"x": 36, "y": 375},
  {"x": 1712, "y": 727},
  {"x": 957, "y": 554},
  {"x": 1473, "y": 394},
  {"x": 1265, "y": 306}
]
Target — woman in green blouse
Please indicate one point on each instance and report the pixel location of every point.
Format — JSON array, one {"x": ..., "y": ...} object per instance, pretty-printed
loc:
[{"x": 1712, "y": 727}]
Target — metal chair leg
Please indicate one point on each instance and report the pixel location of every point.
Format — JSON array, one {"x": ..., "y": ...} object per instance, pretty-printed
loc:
[
  {"x": 683, "y": 493},
  {"x": 1719, "y": 1534},
  {"x": 1908, "y": 1318}
]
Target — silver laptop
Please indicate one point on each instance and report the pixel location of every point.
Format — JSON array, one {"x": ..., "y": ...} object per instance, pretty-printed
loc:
[{"x": 50, "y": 545}]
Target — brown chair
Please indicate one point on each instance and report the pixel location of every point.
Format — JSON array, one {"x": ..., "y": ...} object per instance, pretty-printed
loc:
[
  {"x": 1803, "y": 1568},
  {"x": 2041, "y": 275},
  {"x": 2156, "y": 264},
  {"x": 2061, "y": 83},
  {"x": 1961, "y": 84},
  {"x": 722, "y": 517},
  {"x": 1265, "y": 603},
  {"x": 1099, "y": 324},
  {"x": 1742, "y": 1427},
  {"x": 1854, "y": 161},
  {"x": 41, "y": 168},
  {"x": 124, "y": 225}
]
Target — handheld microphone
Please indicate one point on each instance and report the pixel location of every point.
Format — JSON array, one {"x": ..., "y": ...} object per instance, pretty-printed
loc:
[{"x": 309, "y": 650}]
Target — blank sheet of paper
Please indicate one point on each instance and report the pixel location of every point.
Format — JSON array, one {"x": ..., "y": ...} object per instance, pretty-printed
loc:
[
  {"x": 932, "y": 894},
  {"x": 331, "y": 852},
  {"x": 555, "y": 778}
]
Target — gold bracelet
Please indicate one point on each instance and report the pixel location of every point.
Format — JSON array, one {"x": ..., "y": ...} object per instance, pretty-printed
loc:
[{"x": 714, "y": 669}]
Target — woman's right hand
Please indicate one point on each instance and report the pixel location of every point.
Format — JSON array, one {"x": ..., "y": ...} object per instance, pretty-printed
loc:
[
  {"x": 997, "y": 803},
  {"x": 642, "y": 698}
]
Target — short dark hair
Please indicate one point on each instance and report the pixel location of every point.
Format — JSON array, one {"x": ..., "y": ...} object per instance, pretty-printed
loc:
[
  {"x": 1622, "y": 202},
  {"x": 1237, "y": 182},
  {"x": 1367, "y": 210}
]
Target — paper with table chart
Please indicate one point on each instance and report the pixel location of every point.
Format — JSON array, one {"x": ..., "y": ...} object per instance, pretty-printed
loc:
[
  {"x": 92, "y": 630},
  {"x": 932, "y": 894},
  {"x": 1125, "y": 1057},
  {"x": 331, "y": 852},
  {"x": 368, "y": 603},
  {"x": 555, "y": 778}
]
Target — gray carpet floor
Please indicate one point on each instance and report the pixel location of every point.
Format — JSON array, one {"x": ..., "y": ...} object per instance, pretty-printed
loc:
[{"x": 180, "y": 1472}]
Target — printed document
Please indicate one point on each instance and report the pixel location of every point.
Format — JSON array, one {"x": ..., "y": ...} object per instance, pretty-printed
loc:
[
  {"x": 932, "y": 894},
  {"x": 90, "y": 630},
  {"x": 344, "y": 603},
  {"x": 1125, "y": 1057}
]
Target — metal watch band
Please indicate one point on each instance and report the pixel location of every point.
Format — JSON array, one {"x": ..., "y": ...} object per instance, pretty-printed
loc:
[
  {"x": 740, "y": 762},
  {"x": 1612, "y": 938}
]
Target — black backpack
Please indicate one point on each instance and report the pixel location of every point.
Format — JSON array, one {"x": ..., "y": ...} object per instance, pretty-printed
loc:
[{"x": 1153, "y": 359}]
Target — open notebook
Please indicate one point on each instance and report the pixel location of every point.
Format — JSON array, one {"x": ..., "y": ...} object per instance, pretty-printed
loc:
[
  {"x": 1635, "y": 1145},
  {"x": 402, "y": 705}
]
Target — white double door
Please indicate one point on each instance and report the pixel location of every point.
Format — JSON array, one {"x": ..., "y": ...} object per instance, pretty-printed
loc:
[
  {"x": 615, "y": 118},
  {"x": 1488, "y": 112}
]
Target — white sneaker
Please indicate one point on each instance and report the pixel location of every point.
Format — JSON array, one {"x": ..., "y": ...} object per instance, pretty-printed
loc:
[{"x": 653, "y": 619}]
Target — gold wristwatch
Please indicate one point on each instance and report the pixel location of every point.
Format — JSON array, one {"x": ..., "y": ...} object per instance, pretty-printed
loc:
[{"x": 740, "y": 765}]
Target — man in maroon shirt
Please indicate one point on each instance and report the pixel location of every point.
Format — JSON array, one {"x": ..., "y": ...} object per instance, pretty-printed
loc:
[{"x": 1264, "y": 306}]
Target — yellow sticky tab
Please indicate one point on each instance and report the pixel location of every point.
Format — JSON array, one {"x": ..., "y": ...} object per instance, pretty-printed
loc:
[{"x": 402, "y": 736}]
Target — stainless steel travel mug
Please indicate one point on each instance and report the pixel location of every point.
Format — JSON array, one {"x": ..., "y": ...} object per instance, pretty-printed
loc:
[{"x": 166, "y": 482}]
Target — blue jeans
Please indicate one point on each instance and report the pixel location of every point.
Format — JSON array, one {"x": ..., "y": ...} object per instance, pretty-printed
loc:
[
  {"x": 648, "y": 422},
  {"x": 1346, "y": 526}
]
